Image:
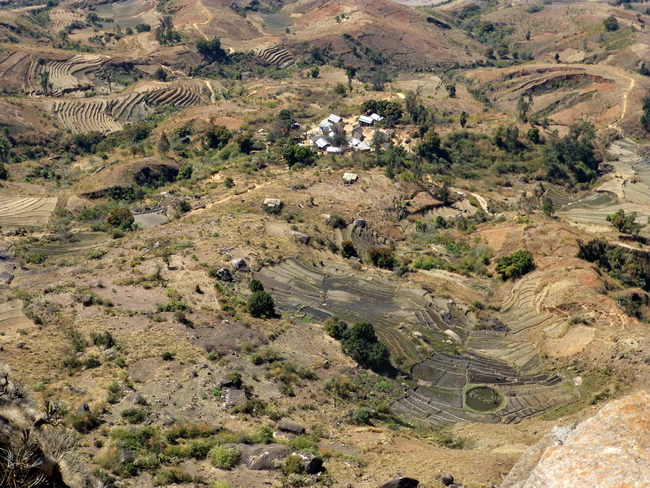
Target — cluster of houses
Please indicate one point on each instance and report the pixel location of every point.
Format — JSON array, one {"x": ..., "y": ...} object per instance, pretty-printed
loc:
[{"x": 332, "y": 137}]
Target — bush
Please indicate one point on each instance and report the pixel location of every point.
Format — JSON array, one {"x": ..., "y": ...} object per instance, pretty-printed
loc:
[
  {"x": 610, "y": 24},
  {"x": 83, "y": 422},
  {"x": 104, "y": 339},
  {"x": 337, "y": 222},
  {"x": 256, "y": 285},
  {"x": 120, "y": 217},
  {"x": 336, "y": 328},
  {"x": 224, "y": 457},
  {"x": 348, "y": 250},
  {"x": 361, "y": 416},
  {"x": 168, "y": 476},
  {"x": 261, "y": 305},
  {"x": 383, "y": 257},
  {"x": 292, "y": 465},
  {"x": 134, "y": 415},
  {"x": 365, "y": 348},
  {"x": 167, "y": 356},
  {"x": 516, "y": 264}
]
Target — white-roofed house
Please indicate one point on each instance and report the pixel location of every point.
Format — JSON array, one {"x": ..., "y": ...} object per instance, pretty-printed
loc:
[{"x": 365, "y": 120}]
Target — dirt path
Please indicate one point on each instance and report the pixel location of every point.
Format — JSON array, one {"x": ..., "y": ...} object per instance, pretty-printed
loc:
[
  {"x": 614, "y": 125},
  {"x": 209, "y": 18}
]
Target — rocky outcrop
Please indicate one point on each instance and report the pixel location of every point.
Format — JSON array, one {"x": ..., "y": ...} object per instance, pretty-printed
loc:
[{"x": 610, "y": 449}]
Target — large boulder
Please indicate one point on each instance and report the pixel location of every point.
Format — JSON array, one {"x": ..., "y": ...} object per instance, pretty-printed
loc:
[
  {"x": 401, "y": 482},
  {"x": 610, "y": 449},
  {"x": 292, "y": 427},
  {"x": 232, "y": 397},
  {"x": 262, "y": 456},
  {"x": 313, "y": 464}
]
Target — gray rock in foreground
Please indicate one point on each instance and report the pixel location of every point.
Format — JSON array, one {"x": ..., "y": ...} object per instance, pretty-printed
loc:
[{"x": 401, "y": 482}]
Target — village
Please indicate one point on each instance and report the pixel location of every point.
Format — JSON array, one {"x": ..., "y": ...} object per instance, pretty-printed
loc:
[{"x": 335, "y": 135}]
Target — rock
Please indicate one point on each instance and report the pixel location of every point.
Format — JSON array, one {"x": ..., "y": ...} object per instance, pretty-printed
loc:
[
  {"x": 20, "y": 345},
  {"x": 232, "y": 397},
  {"x": 126, "y": 456},
  {"x": 263, "y": 456},
  {"x": 283, "y": 435},
  {"x": 83, "y": 408},
  {"x": 577, "y": 381},
  {"x": 401, "y": 482},
  {"x": 447, "y": 479},
  {"x": 2, "y": 348},
  {"x": 312, "y": 464},
  {"x": 6, "y": 278},
  {"x": 300, "y": 237},
  {"x": 239, "y": 265},
  {"x": 87, "y": 300},
  {"x": 135, "y": 399},
  {"x": 224, "y": 274},
  {"x": 610, "y": 449},
  {"x": 291, "y": 427},
  {"x": 166, "y": 418},
  {"x": 5, "y": 256},
  {"x": 225, "y": 383},
  {"x": 359, "y": 223}
]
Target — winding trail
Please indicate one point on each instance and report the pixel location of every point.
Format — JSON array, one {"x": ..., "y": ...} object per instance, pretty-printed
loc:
[
  {"x": 209, "y": 18},
  {"x": 614, "y": 125}
]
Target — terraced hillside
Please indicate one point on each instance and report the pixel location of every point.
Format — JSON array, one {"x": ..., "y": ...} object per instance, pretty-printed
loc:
[
  {"x": 76, "y": 73},
  {"x": 12, "y": 318},
  {"x": 445, "y": 381},
  {"x": 61, "y": 17},
  {"x": 108, "y": 114},
  {"x": 332, "y": 290},
  {"x": 26, "y": 212},
  {"x": 275, "y": 54}
]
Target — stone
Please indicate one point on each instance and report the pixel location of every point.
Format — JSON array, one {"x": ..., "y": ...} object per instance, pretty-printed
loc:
[
  {"x": 83, "y": 408},
  {"x": 577, "y": 381},
  {"x": 225, "y": 383},
  {"x": 313, "y": 464},
  {"x": 447, "y": 479},
  {"x": 5, "y": 256},
  {"x": 291, "y": 427},
  {"x": 166, "y": 418},
  {"x": 6, "y": 278},
  {"x": 20, "y": 345},
  {"x": 359, "y": 223},
  {"x": 224, "y": 274},
  {"x": 610, "y": 449},
  {"x": 232, "y": 397},
  {"x": 239, "y": 265},
  {"x": 126, "y": 456},
  {"x": 263, "y": 456},
  {"x": 300, "y": 237},
  {"x": 135, "y": 399},
  {"x": 401, "y": 482},
  {"x": 87, "y": 300}
]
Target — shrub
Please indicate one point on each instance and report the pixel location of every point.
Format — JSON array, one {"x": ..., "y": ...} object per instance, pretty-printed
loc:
[
  {"x": 516, "y": 264},
  {"x": 292, "y": 465},
  {"x": 263, "y": 435},
  {"x": 361, "y": 416},
  {"x": 120, "y": 217},
  {"x": 625, "y": 223},
  {"x": 223, "y": 457},
  {"x": 383, "y": 257},
  {"x": 337, "y": 222},
  {"x": 256, "y": 285},
  {"x": 261, "y": 304},
  {"x": 610, "y": 24},
  {"x": 167, "y": 356},
  {"x": 104, "y": 339},
  {"x": 134, "y": 415},
  {"x": 348, "y": 250},
  {"x": 83, "y": 422},
  {"x": 336, "y": 328},
  {"x": 168, "y": 476}
]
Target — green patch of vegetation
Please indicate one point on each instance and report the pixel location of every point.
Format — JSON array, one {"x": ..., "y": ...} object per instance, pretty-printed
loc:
[
  {"x": 515, "y": 265},
  {"x": 224, "y": 457}
]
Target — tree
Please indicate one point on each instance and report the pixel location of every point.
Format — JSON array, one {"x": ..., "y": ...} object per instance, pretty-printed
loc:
[
  {"x": 383, "y": 257},
  {"x": 365, "y": 348},
  {"x": 163, "y": 144},
  {"x": 351, "y": 72},
  {"x": 4, "y": 150},
  {"x": 463, "y": 119},
  {"x": 348, "y": 250},
  {"x": 107, "y": 71},
  {"x": 160, "y": 74},
  {"x": 336, "y": 328},
  {"x": 166, "y": 256},
  {"x": 502, "y": 51},
  {"x": 261, "y": 305},
  {"x": 645, "y": 118},
  {"x": 547, "y": 206},
  {"x": 625, "y": 223},
  {"x": 4, "y": 174},
  {"x": 315, "y": 71},
  {"x": 298, "y": 155},
  {"x": 44, "y": 79},
  {"x": 610, "y": 24},
  {"x": 451, "y": 89},
  {"x": 211, "y": 50},
  {"x": 528, "y": 35},
  {"x": 516, "y": 264},
  {"x": 533, "y": 135},
  {"x": 142, "y": 28},
  {"x": 216, "y": 137},
  {"x": 557, "y": 57}
]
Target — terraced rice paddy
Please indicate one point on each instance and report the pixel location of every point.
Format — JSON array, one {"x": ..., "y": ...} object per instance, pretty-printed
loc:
[
  {"x": 26, "y": 212},
  {"x": 275, "y": 55},
  {"x": 444, "y": 382},
  {"x": 76, "y": 73}
]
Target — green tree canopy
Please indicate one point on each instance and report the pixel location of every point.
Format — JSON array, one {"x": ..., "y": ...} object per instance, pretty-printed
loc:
[
  {"x": 261, "y": 304},
  {"x": 365, "y": 347},
  {"x": 625, "y": 223}
]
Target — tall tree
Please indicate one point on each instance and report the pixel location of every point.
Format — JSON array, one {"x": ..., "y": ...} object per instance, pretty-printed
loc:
[
  {"x": 351, "y": 72},
  {"x": 163, "y": 144},
  {"x": 44, "y": 79}
]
